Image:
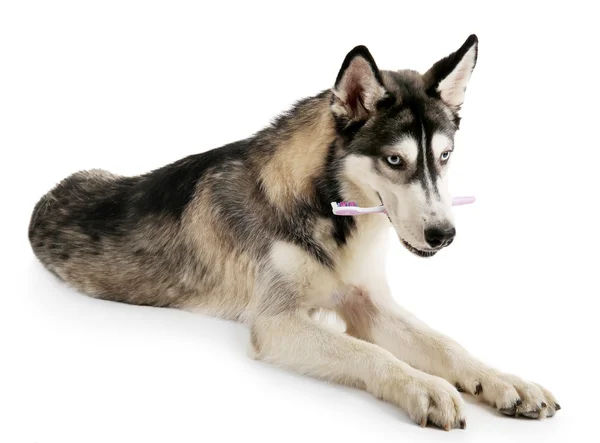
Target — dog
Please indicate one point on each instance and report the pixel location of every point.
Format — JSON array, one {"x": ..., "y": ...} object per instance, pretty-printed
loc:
[{"x": 246, "y": 232}]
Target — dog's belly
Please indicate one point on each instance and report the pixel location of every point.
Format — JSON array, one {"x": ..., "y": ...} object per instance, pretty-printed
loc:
[{"x": 222, "y": 290}]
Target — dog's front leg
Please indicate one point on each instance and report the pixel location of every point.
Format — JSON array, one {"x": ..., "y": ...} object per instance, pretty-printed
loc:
[
  {"x": 294, "y": 341},
  {"x": 283, "y": 333},
  {"x": 373, "y": 316}
]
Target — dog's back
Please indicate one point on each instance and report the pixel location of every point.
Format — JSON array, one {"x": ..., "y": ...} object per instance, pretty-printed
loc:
[
  {"x": 146, "y": 240},
  {"x": 192, "y": 234}
]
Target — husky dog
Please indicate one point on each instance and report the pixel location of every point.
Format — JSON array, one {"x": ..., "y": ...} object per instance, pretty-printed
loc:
[{"x": 246, "y": 232}]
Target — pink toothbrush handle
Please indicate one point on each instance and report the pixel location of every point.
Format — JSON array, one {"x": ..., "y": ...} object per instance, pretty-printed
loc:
[
  {"x": 347, "y": 211},
  {"x": 457, "y": 201},
  {"x": 350, "y": 208}
]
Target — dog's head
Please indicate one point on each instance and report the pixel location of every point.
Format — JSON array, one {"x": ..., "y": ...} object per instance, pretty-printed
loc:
[{"x": 397, "y": 130}]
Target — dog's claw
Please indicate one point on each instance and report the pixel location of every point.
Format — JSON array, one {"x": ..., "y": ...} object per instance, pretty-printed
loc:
[
  {"x": 512, "y": 411},
  {"x": 447, "y": 427},
  {"x": 463, "y": 424},
  {"x": 509, "y": 411},
  {"x": 511, "y": 395},
  {"x": 424, "y": 422},
  {"x": 458, "y": 387},
  {"x": 531, "y": 414}
]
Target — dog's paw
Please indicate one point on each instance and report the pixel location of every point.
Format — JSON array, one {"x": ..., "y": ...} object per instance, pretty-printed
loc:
[
  {"x": 426, "y": 399},
  {"x": 510, "y": 394}
]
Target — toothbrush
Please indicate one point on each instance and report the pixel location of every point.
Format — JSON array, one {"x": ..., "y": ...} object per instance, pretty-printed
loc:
[{"x": 351, "y": 208}]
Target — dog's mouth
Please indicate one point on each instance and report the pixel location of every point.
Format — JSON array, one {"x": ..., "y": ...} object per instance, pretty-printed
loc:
[{"x": 418, "y": 252}]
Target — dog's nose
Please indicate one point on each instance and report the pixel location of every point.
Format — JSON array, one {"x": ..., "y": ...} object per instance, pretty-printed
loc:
[{"x": 439, "y": 237}]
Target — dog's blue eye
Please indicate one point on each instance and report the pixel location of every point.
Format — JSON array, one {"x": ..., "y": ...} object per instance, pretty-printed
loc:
[
  {"x": 394, "y": 160},
  {"x": 445, "y": 156}
]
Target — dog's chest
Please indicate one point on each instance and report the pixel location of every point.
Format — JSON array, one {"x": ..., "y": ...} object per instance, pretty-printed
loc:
[{"x": 365, "y": 250}]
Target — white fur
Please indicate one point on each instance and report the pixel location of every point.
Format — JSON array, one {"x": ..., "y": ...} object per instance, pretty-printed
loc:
[
  {"x": 440, "y": 143},
  {"x": 452, "y": 88},
  {"x": 407, "y": 148},
  {"x": 394, "y": 356}
]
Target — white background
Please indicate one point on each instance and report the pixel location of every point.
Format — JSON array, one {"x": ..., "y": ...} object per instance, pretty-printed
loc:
[{"x": 131, "y": 86}]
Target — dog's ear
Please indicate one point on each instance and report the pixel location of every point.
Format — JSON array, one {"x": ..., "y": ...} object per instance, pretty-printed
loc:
[
  {"x": 358, "y": 86},
  {"x": 448, "y": 78}
]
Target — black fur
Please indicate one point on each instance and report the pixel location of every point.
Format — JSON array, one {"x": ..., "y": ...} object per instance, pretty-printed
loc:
[
  {"x": 169, "y": 189},
  {"x": 359, "y": 51},
  {"x": 328, "y": 190}
]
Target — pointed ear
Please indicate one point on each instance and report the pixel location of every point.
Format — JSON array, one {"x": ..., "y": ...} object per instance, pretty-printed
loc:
[
  {"x": 448, "y": 78},
  {"x": 358, "y": 86}
]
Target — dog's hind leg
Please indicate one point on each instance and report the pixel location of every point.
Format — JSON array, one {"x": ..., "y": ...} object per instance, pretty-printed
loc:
[{"x": 375, "y": 317}]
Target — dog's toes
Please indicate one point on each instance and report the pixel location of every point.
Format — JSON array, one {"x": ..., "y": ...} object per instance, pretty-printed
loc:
[
  {"x": 511, "y": 395},
  {"x": 432, "y": 401}
]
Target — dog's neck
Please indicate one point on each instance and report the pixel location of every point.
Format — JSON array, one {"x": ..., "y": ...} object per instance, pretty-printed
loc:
[
  {"x": 300, "y": 140},
  {"x": 306, "y": 169}
]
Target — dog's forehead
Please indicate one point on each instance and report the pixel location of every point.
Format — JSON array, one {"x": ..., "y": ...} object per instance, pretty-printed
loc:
[
  {"x": 408, "y": 87},
  {"x": 406, "y": 125},
  {"x": 403, "y": 82},
  {"x": 417, "y": 124}
]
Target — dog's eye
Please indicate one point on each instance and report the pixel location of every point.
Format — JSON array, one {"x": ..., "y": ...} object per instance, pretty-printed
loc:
[
  {"x": 394, "y": 160},
  {"x": 445, "y": 156}
]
